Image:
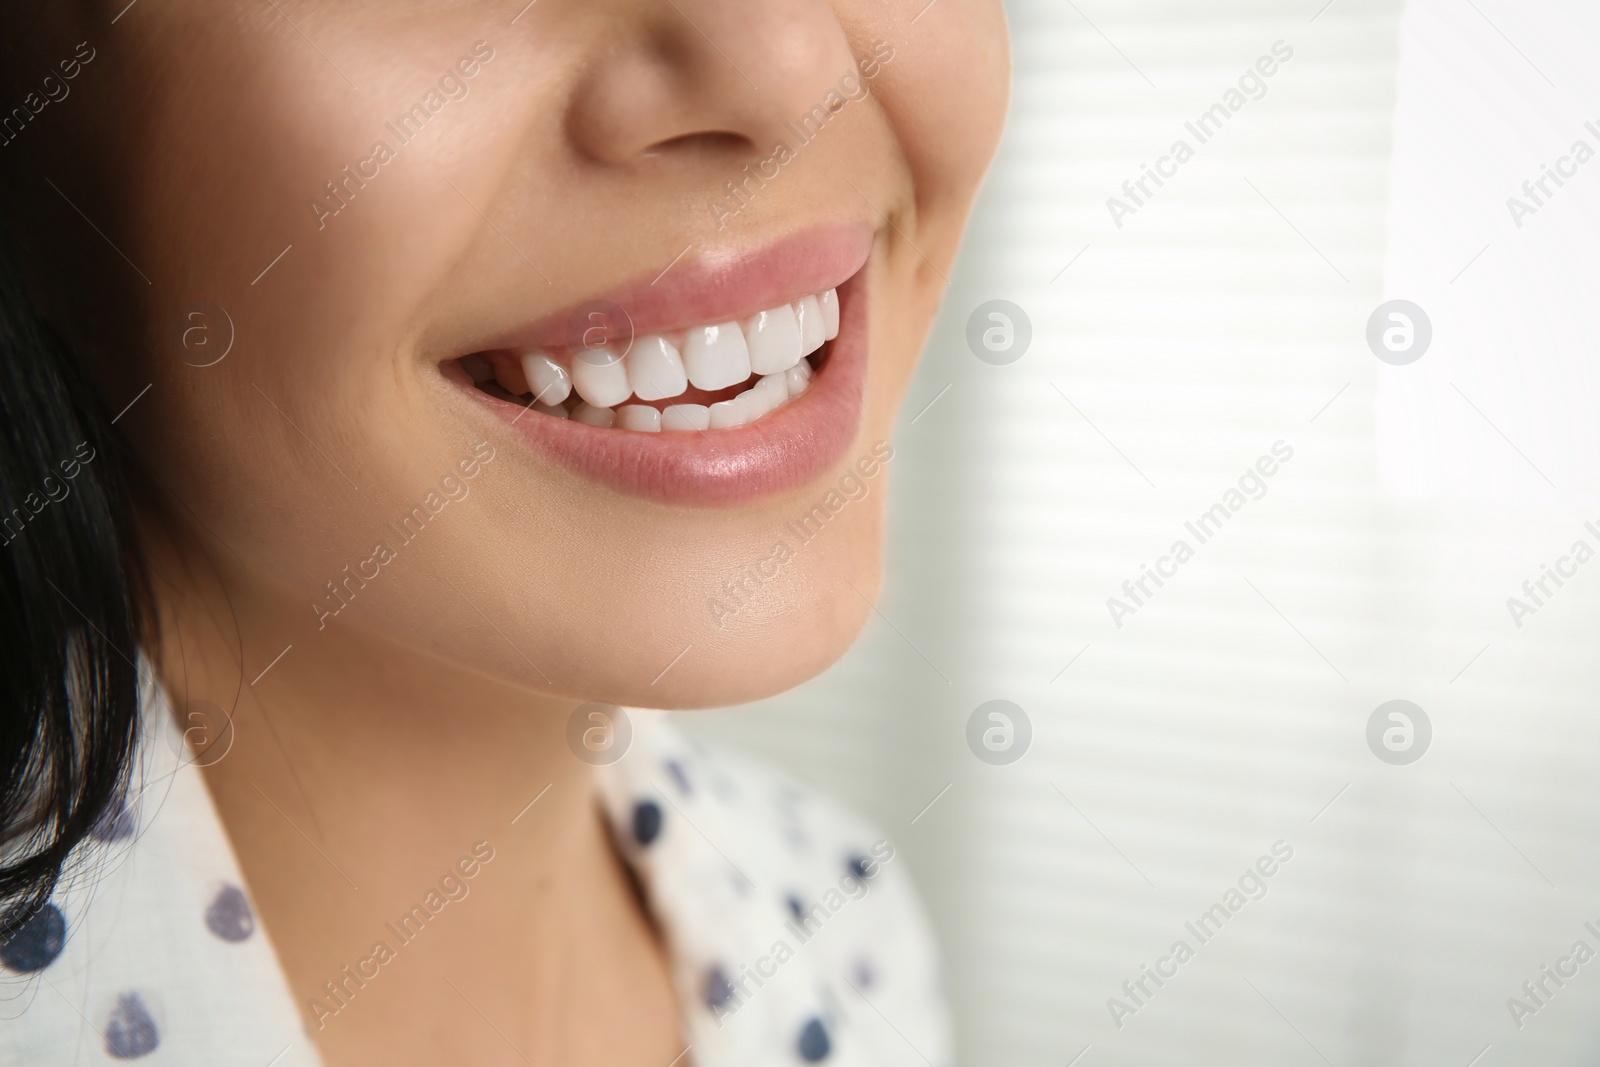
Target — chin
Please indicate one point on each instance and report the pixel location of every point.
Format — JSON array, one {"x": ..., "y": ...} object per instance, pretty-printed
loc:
[
  {"x": 773, "y": 656},
  {"x": 782, "y": 635}
]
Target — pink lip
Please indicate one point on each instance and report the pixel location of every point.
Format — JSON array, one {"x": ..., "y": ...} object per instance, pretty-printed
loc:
[
  {"x": 713, "y": 288},
  {"x": 788, "y": 449}
]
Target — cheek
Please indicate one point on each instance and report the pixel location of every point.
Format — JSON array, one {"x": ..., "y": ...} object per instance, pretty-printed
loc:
[
  {"x": 945, "y": 92},
  {"x": 306, "y": 421},
  {"x": 943, "y": 96}
]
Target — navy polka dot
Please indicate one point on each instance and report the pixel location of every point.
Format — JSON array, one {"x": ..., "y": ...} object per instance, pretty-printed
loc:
[
  {"x": 679, "y": 775},
  {"x": 131, "y": 1032},
  {"x": 229, "y": 915},
  {"x": 860, "y": 866},
  {"x": 37, "y": 942},
  {"x": 719, "y": 991},
  {"x": 865, "y": 976},
  {"x": 814, "y": 1045},
  {"x": 796, "y": 908},
  {"x": 646, "y": 821},
  {"x": 116, "y": 823}
]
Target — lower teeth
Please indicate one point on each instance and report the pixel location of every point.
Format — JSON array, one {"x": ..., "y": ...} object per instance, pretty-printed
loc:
[{"x": 760, "y": 398}]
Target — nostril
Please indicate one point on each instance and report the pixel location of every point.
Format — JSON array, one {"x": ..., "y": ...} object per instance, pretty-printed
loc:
[
  {"x": 708, "y": 80},
  {"x": 710, "y": 142}
]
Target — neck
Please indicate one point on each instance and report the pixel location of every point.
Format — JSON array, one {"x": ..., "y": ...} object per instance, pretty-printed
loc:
[{"x": 360, "y": 778}]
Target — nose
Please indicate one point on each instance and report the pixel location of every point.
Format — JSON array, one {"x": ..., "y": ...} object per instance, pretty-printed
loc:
[{"x": 706, "y": 75}]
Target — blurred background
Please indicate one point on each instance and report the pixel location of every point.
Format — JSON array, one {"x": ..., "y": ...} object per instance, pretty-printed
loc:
[{"x": 1439, "y": 860}]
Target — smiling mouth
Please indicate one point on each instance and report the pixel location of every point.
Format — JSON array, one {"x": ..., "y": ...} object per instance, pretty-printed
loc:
[
  {"x": 762, "y": 354},
  {"x": 708, "y": 377}
]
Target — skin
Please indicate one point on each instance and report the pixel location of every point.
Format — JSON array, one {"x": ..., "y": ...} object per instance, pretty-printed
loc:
[{"x": 430, "y": 711}]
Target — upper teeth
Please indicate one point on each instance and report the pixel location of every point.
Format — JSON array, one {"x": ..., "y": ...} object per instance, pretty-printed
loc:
[
  {"x": 655, "y": 370},
  {"x": 547, "y": 380},
  {"x": 771, "y": 343}
]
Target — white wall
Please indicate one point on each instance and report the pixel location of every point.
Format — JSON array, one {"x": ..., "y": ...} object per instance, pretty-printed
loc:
[{"x": 1227, "y": 314}]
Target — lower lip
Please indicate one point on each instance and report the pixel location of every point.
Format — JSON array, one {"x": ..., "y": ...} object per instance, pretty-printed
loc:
[{"x": 786, "y": 450}]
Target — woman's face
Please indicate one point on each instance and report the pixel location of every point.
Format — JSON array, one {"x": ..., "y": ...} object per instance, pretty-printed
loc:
[{"x": 337, "y": 237}]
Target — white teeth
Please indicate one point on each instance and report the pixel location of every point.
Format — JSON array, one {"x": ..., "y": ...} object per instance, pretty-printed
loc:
[
  {"x": 601, "y": 377},
  {"x": 774, "y": 340},
  {"x": 769, "y": 394},
  {"x": 638, "y": 417},
  {"x": 726, "y": 413},
  {"x": 716, "y": 356},
  {"x": 686, "y": 417},
  {"x": 547, "y": 380},
  {"x": 757, "y": 405},
  {"x": 798, "y": 378},
  {"x": 655, "y": 371},
  {"x": 771, "y": 344},
  {"x": 830, "y": 313},
  {"x": 590, "y": 415},
  {"x": 813, "y": 330}
]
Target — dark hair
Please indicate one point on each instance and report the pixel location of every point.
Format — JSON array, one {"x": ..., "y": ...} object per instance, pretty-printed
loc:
[{"x": 71, "y": 615}]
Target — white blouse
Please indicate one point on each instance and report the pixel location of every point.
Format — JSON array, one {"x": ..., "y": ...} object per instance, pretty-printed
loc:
[{"x": 793, "y": 930}]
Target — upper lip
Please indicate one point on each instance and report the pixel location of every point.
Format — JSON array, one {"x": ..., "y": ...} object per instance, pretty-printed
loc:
[{"x": 706, "y": 286}]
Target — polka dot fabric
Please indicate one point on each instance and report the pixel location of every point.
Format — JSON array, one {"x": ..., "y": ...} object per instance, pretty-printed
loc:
[
  {"x": 793, "y": 929},
  {"x": 150, "y": 951},
  {"x": 794, "y": 933}
]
